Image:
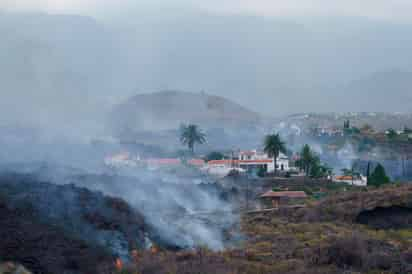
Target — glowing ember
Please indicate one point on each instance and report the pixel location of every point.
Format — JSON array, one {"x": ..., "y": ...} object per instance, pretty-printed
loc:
[
  {"x": 119, "y": 265},
  {"x": 154, "y": 250}
]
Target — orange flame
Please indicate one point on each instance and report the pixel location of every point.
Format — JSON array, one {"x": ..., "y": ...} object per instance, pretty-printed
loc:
[
  {"x": 119, "y": 264},
  {"x": 154, "y": 249}
]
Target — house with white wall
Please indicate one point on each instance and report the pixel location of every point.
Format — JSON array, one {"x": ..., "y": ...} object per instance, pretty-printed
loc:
[
  {"x": 249, "y": 161},
  {"x": 253, "y": 159}
]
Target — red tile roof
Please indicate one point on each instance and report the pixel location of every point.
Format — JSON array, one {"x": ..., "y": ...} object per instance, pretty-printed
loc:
[
  {"x": 255, "y": 161},
  {"x": 286, "y": 194},
  {"x": 344, "y": 178},
  {"x": 229, "y": 162},
  {"x": 222, "y": 162},
  {"x": 196, "y": 162}
]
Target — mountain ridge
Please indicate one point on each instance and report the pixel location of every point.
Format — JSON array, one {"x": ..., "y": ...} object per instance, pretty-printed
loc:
[{"x": 167, "y": 109}]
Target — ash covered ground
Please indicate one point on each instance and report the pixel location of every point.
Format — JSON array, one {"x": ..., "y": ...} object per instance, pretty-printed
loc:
[{"x": 71, "y": 214}]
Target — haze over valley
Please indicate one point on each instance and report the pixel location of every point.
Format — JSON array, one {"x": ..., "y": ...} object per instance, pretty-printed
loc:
[
  {"x": 272, "y": 65},
  {"x": 225, "y": 137}
]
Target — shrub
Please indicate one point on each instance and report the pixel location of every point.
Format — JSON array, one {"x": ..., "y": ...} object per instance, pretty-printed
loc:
[
  {"x": 214, "y": 155},
  {"x": 378, "y": 177}
]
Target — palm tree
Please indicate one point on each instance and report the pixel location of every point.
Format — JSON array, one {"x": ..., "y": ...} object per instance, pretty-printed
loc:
[
  {"x": 273, "y": 146},
  {"x": 306, "y": 160},
  {"x": 190, "y": 135}
]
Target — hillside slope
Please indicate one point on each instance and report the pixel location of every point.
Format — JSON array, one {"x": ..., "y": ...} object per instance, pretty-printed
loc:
[{"x": 167, "y": 110}]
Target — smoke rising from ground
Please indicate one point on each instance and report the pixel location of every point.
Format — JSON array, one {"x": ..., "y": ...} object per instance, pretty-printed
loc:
[{"x": 183, "y": 213}]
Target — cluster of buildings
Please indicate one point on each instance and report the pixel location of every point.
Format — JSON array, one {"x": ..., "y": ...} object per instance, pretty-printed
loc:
[
  {"x": 127, "y": 160},
  {"x": 326, "y": 132},
  {"x": 245, "y": 162},
  {"x": 250, "y": 161}
]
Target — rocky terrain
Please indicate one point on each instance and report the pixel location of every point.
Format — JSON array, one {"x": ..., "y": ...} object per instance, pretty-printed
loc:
[
  {"x": 80, "y": 213},
  {"x": 357, "y": 206},
  {"x": 80, "y": 231},
  {"x": 46, "y": 248},
  {"x": 65, "y": 229},
  {"x": 304, "y": 242},
  {"x": 76, "y": 226}
]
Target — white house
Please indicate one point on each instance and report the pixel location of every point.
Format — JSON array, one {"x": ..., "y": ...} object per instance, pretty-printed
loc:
[
  {"x": 248, "y": 161},
  {"x": 253, "y": 159}
]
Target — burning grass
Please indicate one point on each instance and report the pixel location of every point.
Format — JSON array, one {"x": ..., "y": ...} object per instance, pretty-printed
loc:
[
  {"x": 274, "y": 246},
  {"x": 322, "y": 238},
  {"x": 277, "y": 244}
]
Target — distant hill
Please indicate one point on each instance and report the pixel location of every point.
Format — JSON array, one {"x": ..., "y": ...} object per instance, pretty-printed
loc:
[{"x": 167, "y": 110}]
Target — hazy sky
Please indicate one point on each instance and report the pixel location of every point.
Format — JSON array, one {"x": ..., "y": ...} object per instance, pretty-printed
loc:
[
  {"x": 256, "y": 61},
  {"x": 384, "y": 9}
]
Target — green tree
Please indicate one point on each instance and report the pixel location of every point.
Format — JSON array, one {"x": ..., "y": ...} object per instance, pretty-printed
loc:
[
  {"x": 190, "y": 135},
  {"x": 261, "y": 172},
  {"x": 378, "y": 177},
  {"x": 355, "y": 130},
  {"x": 214, "y": 155},
  {"x": 310, "y": 163},
  {"x": 317, "y": 169},
  {"x": 391, "y": 133},
  {"x": 306, "y": 160},
  {"x": 407, "y": 130},
  {"x": 273, "y": 146}
]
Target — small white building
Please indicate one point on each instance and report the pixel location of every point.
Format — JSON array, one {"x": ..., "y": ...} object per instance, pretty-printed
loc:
[
  {"x": 253, "y": 159},
  {"x": 123, "y": 159},
  {"x": 351, "y": 180},
  {"x": 249, "y": 161}
]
